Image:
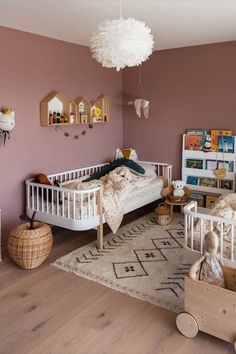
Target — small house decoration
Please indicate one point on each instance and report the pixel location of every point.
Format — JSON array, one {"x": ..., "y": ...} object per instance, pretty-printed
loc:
[
  {"x": 83, "y": 110},
  {"x": 104, "y": 102},
  {"x": 96, "y": 112},
  {"x": 7, "y": 123},
  {"x": 57, "y": 110}
]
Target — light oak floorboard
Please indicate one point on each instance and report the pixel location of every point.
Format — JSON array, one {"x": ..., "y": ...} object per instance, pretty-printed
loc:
[{"x": 50, "y": 311}]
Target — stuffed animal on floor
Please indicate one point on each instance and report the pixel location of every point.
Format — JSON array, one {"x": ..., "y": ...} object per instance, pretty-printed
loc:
[{"x": 208, "y": 268}]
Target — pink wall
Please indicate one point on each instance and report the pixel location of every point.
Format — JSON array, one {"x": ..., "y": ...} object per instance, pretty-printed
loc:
[
  {"x": 32, "y": 66},
  {"x": 192, "y": 87}
]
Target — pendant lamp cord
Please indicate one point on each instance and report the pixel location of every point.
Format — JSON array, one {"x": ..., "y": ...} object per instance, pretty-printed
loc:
[{"x": 140, "y": 83}]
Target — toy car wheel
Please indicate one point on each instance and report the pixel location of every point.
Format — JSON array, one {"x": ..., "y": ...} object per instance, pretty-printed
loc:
[{"x": 187, "y": 325}]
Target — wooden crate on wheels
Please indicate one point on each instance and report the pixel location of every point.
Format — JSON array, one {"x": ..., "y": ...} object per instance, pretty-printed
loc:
[{"x": 209, "y": 308}]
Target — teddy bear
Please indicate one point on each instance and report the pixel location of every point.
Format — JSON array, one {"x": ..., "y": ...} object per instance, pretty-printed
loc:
[
  {"x": 178, "y": 188},
  {"x": 208, "y": 268}
]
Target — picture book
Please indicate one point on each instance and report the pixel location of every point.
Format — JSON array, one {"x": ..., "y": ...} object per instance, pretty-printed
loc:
[
  {"x": 194, "y": 163},
  {"x": 214, "y": 137},
  {"x": 210, "y": 200},
  {"x": 228, "y": 165},
  {"x": 192, "y": 142},
  {"x": 199, "y": 198},
  {"x": 225, "y": 143},
  {"x": 201, "y": 132},
  {"x": 208, "y": 182},
  {"x": 193, "y": 180},
  {"x": 226, "y": 184},
  {"x": 211, "y": 164}
]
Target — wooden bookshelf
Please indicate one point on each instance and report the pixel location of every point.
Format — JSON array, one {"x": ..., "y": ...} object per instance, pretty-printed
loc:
[{"x": 207, "y": 173}]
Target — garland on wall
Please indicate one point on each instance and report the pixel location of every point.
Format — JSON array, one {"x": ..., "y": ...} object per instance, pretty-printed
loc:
[{"x": 73, "y": 136}]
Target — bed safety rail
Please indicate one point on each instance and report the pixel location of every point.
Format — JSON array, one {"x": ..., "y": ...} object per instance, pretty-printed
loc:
[
  {"x": 197, "y": 222},
  {"x": 73, "y": 209}
]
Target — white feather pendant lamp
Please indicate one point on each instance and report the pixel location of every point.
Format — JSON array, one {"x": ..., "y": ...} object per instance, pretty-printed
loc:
[{"x": 121, "y": 42}]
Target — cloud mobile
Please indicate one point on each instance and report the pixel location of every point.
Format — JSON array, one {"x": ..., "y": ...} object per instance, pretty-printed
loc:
[{"x": 7, "y": 123}]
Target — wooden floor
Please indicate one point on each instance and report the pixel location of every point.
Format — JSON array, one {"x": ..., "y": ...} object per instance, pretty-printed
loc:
[{"x": 50, "y": 311}]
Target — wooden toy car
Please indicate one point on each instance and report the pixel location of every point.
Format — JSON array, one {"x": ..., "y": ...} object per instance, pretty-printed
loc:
[{"x": 209, "y": 308}]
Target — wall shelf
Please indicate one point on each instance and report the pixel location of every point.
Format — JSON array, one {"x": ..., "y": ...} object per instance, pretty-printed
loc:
[{"x": 57, "y": 110}]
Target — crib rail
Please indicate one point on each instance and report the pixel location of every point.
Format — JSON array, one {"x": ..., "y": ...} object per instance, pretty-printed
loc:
[{"x": 197, "y": 222}]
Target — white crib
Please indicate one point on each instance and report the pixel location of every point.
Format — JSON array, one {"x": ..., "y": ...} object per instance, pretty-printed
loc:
[
  {"x": 80, "y": 209},
  {"x": 195, "y": 240}
]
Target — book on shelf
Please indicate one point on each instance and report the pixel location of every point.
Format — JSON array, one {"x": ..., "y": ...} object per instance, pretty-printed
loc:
[
  {"x": 208, "y": 182},
  {"x": 211, "y": 164},
  {"x": 215, "y": 135},
  {"x": 194, "y": 180},
  {"x": 226, "y": 143},
  {"x": 228, "y": 165},
  {"x": 198, "y": 132},
  {"x": 210, "y": 200},
  {"x": 199, "y": 198},
  {"x": 194, "y": 163},
  {"x": 226, "y": 184},
  {"x": 193, "y": 142}
]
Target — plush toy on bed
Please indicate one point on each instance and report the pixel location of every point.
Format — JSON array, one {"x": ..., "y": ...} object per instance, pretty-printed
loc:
[
  {"x": 208, "y": 267},
  {"x": 128, "y": 153}
]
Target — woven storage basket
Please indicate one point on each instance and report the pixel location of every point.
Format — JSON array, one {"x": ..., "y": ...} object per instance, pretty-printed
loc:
[
  {"x": 162, "y": 214},
  {"x": 29, "y": 248}
]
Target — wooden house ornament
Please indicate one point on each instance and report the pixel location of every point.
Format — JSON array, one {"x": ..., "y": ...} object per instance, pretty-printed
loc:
[
  {"x": 83, "y": 110},
  {"x": 104, "y": 102},
  {"x": 53, "y": 107}
]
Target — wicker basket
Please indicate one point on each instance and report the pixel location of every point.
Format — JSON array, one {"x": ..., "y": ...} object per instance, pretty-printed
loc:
[
  {"x": 29, "y": 248},
  {"x": 162, "y": 214}
]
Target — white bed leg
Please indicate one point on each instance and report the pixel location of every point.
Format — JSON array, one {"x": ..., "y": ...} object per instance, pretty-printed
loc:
[{"x": 100, "y": 226}]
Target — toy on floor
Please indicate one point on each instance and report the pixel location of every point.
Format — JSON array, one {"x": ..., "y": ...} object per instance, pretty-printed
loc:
[{"x": 208, "y": 268}]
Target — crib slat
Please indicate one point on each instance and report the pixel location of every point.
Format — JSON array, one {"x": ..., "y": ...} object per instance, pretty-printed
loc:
[
  {"x": 89, "y": 207},
  {"x": 232, "y": 242},
  {"x": 191, "y": 232},
  {"x": 201, "y": 235},
  {"x": 74, "y": 206},
  {"x": 63, "y": 204},
  {"x": 57, "y": 203},
  {"x": 68, "y": 205},
  {"x": 186, "y": 230},
  {"x": 42, "y": 200},
  {"x": 221, "y": 239},
  {"x": 52, "y": 202},
  {"x": 47, "y": 198},
  {"x": 33, "y": 197}
]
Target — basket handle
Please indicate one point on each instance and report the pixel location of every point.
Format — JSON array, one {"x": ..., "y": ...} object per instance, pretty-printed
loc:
[{"x": 162, "y": 203}]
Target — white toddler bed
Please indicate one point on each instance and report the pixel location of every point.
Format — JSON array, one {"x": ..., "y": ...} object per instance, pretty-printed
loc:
[
  {"x": 80, "y": 210},
  {"x": 198, "y": 221}
]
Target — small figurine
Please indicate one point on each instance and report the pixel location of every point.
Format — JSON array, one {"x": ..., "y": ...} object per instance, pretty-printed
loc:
[
  {"x": 208, "y": 267},
  {"x": 178, "y": 188},
  {"x": 7, "y": 123},
  {"x": 207, "y": 144}
]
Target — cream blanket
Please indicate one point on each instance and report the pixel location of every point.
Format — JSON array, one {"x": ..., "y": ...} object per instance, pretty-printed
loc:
[{"x": 116, "y": 186}]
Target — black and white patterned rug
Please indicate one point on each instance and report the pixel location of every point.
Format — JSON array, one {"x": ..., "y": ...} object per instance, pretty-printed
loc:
[{"x": 143, "y": 260}]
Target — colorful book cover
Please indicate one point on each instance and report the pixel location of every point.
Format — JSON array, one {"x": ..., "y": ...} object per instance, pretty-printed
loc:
[
  {"x": 210, "y": 200},
  {"x": 225, "y": 143},
  {"x": 226, "y": 184},
  {"x": 199, "y": 198},
  {"x": 214, "y": 137},
  {"x": 208, "y": 182},
  {"x": 192, "y": 142},
  {"x": 194, "y": 163},
  {"x": 192, "y": 180},
  {"x": 228, "y": 165},
  {"x": 201, "y": 132}
]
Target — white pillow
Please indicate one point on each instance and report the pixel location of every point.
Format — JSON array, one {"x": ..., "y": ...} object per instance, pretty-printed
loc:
[{"x": 150, "y": 170}]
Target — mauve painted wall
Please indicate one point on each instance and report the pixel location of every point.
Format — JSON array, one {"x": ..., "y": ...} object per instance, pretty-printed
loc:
[
  {"x": 32, "y": 66},
  {"x": 192, "y": 87}
]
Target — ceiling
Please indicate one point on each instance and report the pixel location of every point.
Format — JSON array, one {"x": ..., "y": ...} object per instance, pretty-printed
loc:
[{"x": 174, "y": 23}]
